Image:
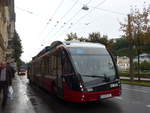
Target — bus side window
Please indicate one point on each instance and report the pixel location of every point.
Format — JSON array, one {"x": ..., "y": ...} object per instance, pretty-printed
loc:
[
  {"x": 54, "y": 65},
  {"x": 59, "y": 65},
  {"x": 67, "y": 67},
  {"x": 50, "y": 65},
  {"x": 42, "y": 66},
  {"x": 34, "y": 68},
  {"x": 46, "y": 66}
]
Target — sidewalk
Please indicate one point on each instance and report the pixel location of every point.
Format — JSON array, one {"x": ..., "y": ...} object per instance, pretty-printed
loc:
[
  {"x": 135, "y": 78},
  {"x": 20, "y": 102}
]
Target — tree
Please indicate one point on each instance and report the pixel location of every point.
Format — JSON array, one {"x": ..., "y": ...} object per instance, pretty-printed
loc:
[
  {"x": 82, "y": 39},
  {"x": 71, "y": 36},
  {"x": 97, "y": 38},
  {"x": 120, "y": 43},
  {"x": 145, "y": 66},
  {"x": 127, "y": 29},
  {"x": 134, "y": 30},
  {"x": 94, "y": 37},
  {"x": 17, "y": 48},
  {"x": 140, "y": 27}
]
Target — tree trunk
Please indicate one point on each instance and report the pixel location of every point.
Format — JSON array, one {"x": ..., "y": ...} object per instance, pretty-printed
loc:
[
  {"x": 130, "y": 39},
  {"x": 131, "y": 62}
]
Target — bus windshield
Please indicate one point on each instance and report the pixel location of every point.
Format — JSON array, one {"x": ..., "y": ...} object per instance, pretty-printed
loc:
[{"x": 93, "y": 63}]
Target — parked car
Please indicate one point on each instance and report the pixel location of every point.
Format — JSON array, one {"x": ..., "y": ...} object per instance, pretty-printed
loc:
[{"x": 22, "y": 72}]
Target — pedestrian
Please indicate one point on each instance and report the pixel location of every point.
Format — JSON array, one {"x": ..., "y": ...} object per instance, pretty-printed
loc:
[
  {"x": 5, "y": 82},
  {"x": 11, "y": 69}
]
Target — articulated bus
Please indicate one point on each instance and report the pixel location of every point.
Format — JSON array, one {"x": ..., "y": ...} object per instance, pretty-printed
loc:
[{"x": 76, "y": 71}]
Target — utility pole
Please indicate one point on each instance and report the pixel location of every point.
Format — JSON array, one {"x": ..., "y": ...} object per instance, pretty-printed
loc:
[
  {"x": 130, "y": 39},
  {"x": 138, "y": 51}
]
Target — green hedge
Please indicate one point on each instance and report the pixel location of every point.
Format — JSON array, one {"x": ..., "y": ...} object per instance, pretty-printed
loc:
[
  {"x": 142, "y": 83},
  {"x": 143, "y": 74}
]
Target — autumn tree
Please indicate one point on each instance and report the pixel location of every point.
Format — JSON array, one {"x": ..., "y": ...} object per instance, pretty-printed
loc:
[
  {"x": 135, "y": 30},
  {"x": 94, "y": 37}
]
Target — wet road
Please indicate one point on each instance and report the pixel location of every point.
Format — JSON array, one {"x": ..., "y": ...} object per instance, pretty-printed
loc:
[{"x": 31, "y": 99}]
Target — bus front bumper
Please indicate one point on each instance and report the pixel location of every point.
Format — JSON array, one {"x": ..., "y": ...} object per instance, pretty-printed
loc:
[{"x": 81, "y": 97}]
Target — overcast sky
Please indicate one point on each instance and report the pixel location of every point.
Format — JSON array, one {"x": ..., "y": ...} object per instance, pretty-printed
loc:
[{"x": 40, "y": 22}]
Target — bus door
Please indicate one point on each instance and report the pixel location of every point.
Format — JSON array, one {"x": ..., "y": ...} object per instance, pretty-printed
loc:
[{"x": 60, "y": 90}]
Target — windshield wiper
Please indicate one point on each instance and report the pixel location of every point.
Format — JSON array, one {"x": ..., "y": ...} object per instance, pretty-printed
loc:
[
  {"x": 106, "y": 78},
  {"x": 97, "y": 76}
]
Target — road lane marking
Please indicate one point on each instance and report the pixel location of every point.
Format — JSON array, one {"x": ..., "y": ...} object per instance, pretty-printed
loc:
[
  {"x": 148, "y": 106},
  {"x": 142, "y": 91}
]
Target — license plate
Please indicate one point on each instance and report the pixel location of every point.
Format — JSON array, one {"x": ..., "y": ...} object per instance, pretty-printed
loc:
[{"x": 105, "y": 96}]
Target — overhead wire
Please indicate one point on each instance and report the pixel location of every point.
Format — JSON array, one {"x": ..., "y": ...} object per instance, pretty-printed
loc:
[
  {"x": 30, "y": 12},
  {"x": 110, "y": 11},
  {"x": 55, "y": 11},
  {"x": 71, "y": 18},
  {"x": 52, "y": 16},
  {"x": 88, "y": 1},
  {"x": 68, "y": 11},
  {"x": 96, "y": 7},
  {"x": 106, "y": 10},
  {"x": 102, "y": 2},
  {"x": 66, "y": 23},
  {"x": 82, "y": 17}
]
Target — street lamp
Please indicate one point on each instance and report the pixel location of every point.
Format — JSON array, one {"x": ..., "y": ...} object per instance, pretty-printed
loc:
[{"x": 85, "y": 7}]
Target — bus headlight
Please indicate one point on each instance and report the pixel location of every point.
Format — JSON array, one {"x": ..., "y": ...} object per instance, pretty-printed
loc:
[
  {"x": 114, "y": 85},
  {"x": 82, "y": 87}
]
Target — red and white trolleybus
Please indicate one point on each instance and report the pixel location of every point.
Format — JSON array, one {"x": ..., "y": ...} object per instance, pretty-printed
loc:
[{"x": 76, "y": 71}]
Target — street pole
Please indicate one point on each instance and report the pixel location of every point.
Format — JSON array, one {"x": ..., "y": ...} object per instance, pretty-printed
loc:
[{"x": 138, "y": 52}]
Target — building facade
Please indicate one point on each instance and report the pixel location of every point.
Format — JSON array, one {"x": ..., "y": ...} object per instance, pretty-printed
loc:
[
  {"x": 142, "y": 57},
  {"x": 4, "y": 19},
  {"x": 7, "y": 27},
  {"x": 11, "y": 29},
  {"x": 123, "y": 63}
]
